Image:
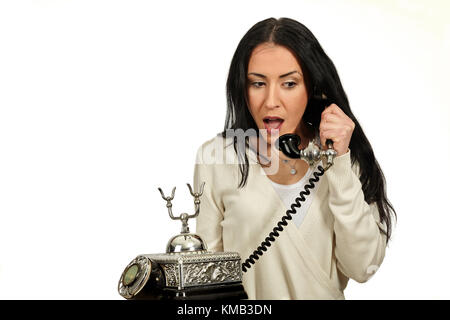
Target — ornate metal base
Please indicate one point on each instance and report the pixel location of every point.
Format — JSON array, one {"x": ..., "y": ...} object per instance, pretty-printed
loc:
[
  {"x": 228, "y": 292},
  {"x": 182, "y": 276}
]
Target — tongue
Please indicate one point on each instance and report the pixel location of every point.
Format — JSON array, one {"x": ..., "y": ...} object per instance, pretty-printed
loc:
[{"x": 274, "y": 123}]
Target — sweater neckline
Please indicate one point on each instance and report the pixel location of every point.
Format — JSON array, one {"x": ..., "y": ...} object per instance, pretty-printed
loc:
[{"x": 294, "y": 185}]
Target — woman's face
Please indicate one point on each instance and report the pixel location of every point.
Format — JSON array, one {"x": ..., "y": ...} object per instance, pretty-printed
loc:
[{"x": 276, "y": 90}]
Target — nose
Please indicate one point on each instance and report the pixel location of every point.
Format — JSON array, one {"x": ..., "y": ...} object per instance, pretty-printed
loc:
[{"x": 272, "y": 99}]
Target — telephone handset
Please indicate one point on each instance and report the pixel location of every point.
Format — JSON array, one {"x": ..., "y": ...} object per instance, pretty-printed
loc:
[{"x": 288, "y": 144}]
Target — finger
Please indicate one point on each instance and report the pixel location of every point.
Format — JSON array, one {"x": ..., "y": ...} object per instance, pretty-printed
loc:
[
  {"x": 325, "y": 112},
  {"x": 333, "y": 127},
  {"x": 333, "y": 135},
  {"x": 333, "y": 109},
  {"x": 337, "y": 133},
  {"x": 332, "y": 118},
  {"x": 331, "y": 121},
  {"x": 336, "y": 110},
  {"x": 322, "y": 140},
  {"x": 324, "y": 136},
  {"x": 341, "y": 116}
]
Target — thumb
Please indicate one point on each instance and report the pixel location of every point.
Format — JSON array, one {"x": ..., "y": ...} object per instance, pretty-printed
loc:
[{"x": 322, "y": 141}]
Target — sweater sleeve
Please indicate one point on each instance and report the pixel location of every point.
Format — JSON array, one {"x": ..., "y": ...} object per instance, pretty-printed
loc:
[
  {"x": 208, "y": 224},
  {"x": 360, "y": 246}
]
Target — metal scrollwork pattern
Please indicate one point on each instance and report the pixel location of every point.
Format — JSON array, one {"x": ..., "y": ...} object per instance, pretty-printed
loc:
[
  {"x": 211, "y": 272},
  {"x": 172, "y": 274}
]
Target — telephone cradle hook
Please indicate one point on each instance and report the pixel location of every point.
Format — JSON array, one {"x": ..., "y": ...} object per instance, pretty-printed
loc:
[
  {"x": 185, "y": 241},
  {"x": 184, "y": 217}
]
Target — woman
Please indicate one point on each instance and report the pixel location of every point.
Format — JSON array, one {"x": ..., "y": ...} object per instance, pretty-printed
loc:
[{"x": 277, "y": 80}]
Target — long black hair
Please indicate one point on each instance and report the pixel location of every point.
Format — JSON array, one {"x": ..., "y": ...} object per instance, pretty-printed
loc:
[{"x": 321, "y": 78}]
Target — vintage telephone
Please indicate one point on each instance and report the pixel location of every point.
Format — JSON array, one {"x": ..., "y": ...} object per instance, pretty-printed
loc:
[
  {"x": 288, "y": 144},
  {"x": 187, "y": 270}
]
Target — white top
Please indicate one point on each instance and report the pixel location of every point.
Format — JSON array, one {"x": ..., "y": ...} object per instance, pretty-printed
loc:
[
  {"x": 338, "y": 239},
  {"x": 288, "y": 193}
]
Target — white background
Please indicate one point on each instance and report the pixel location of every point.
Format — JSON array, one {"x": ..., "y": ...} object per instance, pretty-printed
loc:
[{"x": 102, "y": 102}]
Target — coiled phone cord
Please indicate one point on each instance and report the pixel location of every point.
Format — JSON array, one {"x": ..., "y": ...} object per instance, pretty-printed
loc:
[{"x": 283, "y": 222}]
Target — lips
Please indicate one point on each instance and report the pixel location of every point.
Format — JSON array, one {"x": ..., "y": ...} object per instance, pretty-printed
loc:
[{"x": 272, "y": 123}]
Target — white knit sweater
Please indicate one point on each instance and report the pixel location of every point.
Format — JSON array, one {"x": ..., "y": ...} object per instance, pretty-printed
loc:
[{"x": 338, "y": 239}]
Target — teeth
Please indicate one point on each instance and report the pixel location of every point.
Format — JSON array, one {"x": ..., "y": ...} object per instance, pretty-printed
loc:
[{"x": 269, "y": 120}]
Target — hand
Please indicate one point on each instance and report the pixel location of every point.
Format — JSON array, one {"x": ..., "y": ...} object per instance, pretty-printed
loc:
[{"x": 337, "y": 126}]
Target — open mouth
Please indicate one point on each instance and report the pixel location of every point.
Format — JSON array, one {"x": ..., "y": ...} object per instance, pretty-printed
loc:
[{"x": 272, "y": 123}]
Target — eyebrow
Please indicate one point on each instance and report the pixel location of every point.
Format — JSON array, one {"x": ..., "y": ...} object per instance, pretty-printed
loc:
[{"x": 282, "y": 76}]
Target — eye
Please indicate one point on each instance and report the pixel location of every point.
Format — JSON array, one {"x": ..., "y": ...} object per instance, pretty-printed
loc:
[
  {"x": 290, "y": 84},
  {"x": 257, "y": 84}
]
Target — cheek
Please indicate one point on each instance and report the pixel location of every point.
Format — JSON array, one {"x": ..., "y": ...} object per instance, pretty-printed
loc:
[
  {"x": 254, "y": 102},
  {"x": 253, "y": 96},
  {"x": 296, "y": 104},
  {"x": 299, "y": 97}
]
